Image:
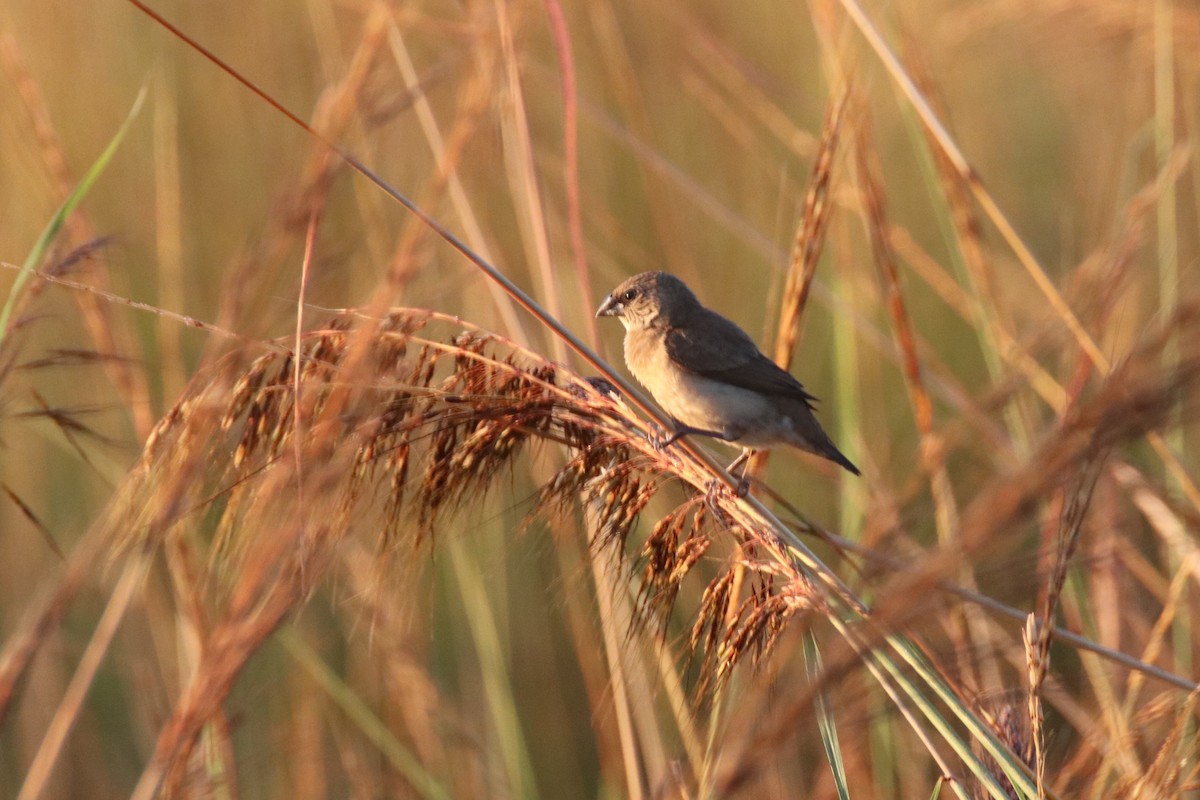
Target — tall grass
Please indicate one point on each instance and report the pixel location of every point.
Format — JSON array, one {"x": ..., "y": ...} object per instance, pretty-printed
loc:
[{"x": 317, "y": 481}]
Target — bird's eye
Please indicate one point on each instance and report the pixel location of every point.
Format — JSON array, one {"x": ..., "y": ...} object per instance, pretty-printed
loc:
[{"x": 628, "y": 295}]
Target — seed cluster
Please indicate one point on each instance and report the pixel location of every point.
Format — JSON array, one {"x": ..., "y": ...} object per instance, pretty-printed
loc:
[{"x": 388, "y": 423}]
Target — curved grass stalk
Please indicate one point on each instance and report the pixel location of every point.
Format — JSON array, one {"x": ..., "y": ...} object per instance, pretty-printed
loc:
[
  {"x": 699, "y": 467},
  {"x": 829, "y": 737},
  {"x": 402, "y": 759},
  {"x": 1016, "y": 772},
  {"x": 1015, "y": 242},
  {"x": 42, "y": 245}
]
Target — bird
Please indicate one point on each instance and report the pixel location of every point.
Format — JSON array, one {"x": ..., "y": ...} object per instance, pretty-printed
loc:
[{"x": 709, "y": 375}]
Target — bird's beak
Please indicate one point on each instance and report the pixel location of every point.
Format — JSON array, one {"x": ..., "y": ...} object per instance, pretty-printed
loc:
[{"x": 610, "y": 308}]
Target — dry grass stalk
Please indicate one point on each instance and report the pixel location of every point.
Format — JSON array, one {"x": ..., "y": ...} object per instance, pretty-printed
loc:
[
  {"x": 902, "y": 329},
  {"x": 1165, "y": 776},
  {"x": 810, "y": 235},
  {"x": 966, "y": 622},
  {"x": 951, "y": 151},
  {"x": 290, "y": 499},
  {"x": 1098, "y": 22},
  {"x": 44, "y": 614},
  {"x": 986, "y": 308},
  {"x": 730, "y": 75},
  {"x": 1039, "y": 630},
  {"x": 566, "y": 68},
  {"x": 806, "y": 247},
  {"x": 47, "y": 611},
  {"x": 426, "y": 713},
  {"x": 1036, "y": 669},
  {"x": 67, "y": 711},
  {"x": 474, "y": 98},
  {"x": 1012, "y": 728},
  {"x": 947, "y": 144},
  {"x": 1134, "y": 399},
  {"x": 621, "y": 71},
  {"x": 340, "y": 106},
  {"x": 423, "y": 426},
  {"x": 107, "y": 334}
]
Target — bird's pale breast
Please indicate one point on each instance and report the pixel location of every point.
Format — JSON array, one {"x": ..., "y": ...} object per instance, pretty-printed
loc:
[{"x": 699, "y": 402}]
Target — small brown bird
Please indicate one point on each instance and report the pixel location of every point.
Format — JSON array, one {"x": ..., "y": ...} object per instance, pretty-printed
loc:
[{"x": 708, "y": 374}]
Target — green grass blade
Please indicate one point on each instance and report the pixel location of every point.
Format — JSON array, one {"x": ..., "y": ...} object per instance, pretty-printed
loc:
[
  {"x": 399, "y": 756},
  {"x": 883, "y": 668},
  {"x": 512, "y": 747},
  {"x": 894, "y": 681},
  {"x": 60, "y": 217},
  {"x": 829, "y": 737},
  {"x": 1016, "y": 772}
]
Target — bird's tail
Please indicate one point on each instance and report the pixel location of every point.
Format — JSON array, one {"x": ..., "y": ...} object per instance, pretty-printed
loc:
[
  {"x": 814, "y": 439},
  {"x": 830, "y": 451}
]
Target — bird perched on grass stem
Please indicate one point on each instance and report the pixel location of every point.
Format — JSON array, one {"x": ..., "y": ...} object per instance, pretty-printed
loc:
[{"x": 708, "y": 374}]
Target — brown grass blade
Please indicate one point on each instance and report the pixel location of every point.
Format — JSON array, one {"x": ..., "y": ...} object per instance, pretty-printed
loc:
[
  {"x": 810, "y": 234},
  {"x": 566, "y": 68},
  {"x": 106, "y": 333}
]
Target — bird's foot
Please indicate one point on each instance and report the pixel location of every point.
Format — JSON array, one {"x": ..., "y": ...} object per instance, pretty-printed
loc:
[
  {"x": 743, "y": 484},
  {"x": 714, "y": 493},
  {"x": 661, "y": 438},
  {"x": 717, "y": 491},
  {"x": 743, "y": 462}
]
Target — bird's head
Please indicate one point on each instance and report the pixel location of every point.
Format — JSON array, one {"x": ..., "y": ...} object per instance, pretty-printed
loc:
[{"x": 650, "y": 297}]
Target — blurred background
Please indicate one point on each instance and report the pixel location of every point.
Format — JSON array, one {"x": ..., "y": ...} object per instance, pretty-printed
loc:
[{"x": 698, "y": 126}]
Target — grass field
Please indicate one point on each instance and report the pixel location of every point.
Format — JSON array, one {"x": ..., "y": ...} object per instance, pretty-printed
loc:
[{"x": 306, "y": 495}]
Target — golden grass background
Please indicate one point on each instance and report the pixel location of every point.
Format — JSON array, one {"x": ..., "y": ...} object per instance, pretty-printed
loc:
[{"x": 497, "y": 652}]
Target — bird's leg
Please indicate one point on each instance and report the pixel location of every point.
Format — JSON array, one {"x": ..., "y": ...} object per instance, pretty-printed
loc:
[
  {"x": 682, "y": 430},
  {"x": 712, "y": 492},
  {"x": 742, "y": 461}
]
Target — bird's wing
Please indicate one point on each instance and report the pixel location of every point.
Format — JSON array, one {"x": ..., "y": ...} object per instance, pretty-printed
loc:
[{"x": 715, "y": 348}]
